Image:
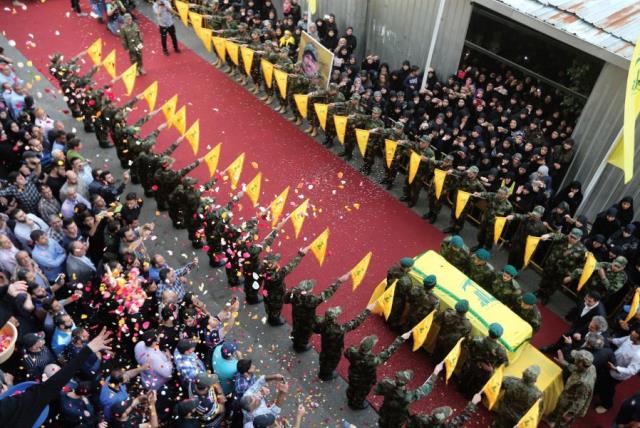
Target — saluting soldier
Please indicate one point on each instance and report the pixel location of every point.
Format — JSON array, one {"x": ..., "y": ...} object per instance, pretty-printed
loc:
[
  {"x": 606, "y": 279},
  {"x": 454, "y": 325},
  {"x": 132, "y": 42},
  {"x": 148, "y": 162},
  {"x": 498, "y": 206},
  {"x": 256, "y": 45},
  {"x": 440, "y": 417},
  {"x": 396, "y": 133},
  {"x": 411, "y": 191},
  {"x": 468, "y": 182},
  {"x": 375, "y": 125},
  {"x": 356, "y": 115},
  {"x": 285, "y": 64},
  {"x": 516, "y": 398},
  {"x": 530, "y": 224},
  {"x": 483, "y": 356},
  {"x": 422, "y": 301},
  {"x": 335, "y": 98},
  {"x": 177, "y": 201},
  {"x": 192, "y": 203},
  {"x": 435, "y": 204},
  {"x": 166, "y": 179}
]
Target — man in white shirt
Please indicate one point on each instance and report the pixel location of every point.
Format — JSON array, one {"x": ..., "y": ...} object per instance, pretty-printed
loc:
[
  {"x": 164, "y": 17},
  {"x": 161, "y": 366},
  {"x": 253, "y": 401},
  {"x": 25, "y": 224},
  {"x": 69, "y": 204}
]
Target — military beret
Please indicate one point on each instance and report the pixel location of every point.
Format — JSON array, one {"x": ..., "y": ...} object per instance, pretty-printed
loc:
[
  {"x": 441, "y": 414},
  {"x": 398, "y": 125},
  {"x": 430, "y": 281},
  {"x": 406, "y": 262},
  {"x": 462, "y": 306},
  {"x": 620, "y": 261},
  {"x": 457, "y": 241},
  {"x": 377, "y": 110},
  {"x": 306, "y": 285},
  {"x": 510, "y": 269},
  {"x": 334, "y": 312},
  {"x": 529, "y": 299},
  {"x": 483, "y": 254},
  {"x": 538, "y": 211},
  {"x": 474, "y": 169},
  {"x": 272, "y": 257},
  {"x": 495, "y": 330},
  {"x": 576, "y": 232},
  {"x": 404, "y": 376},
  {"x": 368, "y": 343},
  {"x": 425, "y": 138},
  {"x": 355, "y": 97}
]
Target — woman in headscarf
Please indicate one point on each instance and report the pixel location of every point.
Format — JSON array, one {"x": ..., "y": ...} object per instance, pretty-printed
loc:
[
  {"x": 571, "y": 194},
  {"x": 625, "y": 210}
]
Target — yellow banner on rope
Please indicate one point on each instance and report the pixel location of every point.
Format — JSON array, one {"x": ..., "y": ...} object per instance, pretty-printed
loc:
[
  {"x": 247, "y": 59},
  {"x": 196, "y": 22},
  {"x": 451, "y": 360},
  {"x": 321, "y": 111},
  {"x": 302, "y": 101},
  {"x": 179, "y": 120},
  {"x": 438, "y": 179},
  {"x": 212, "y": 158},
  {"x": 298, "y": 216},
  {"x": 109, "y": 63},
  {"x": 319, "y": 246},
  {"x": 414, "y": 164},
  {"x": 492, "y": 388},
  {"x": 377, "y": 292},
  {"x": 421, "y": 331},
  {"x": 169, "y": 108},
  {"x": 530, "y": 247},
  {"x": 633, "y": 308},
  {"x": 362, "y": 137},
  {"x": 234, "y": 51},
  {"x": 267, "y": 72},
  {"x": 129, "y": 77},
  {"x": 95, "y": 51},
  {"x": 278, "y": 205},
  {"x": 205, "y": 36},
  {"x": 385, "y": 302},
  {"x": 193, "y": 136},
  {"x": 150, "y": 95},
  {"x": 498, "y": 226},
  {"x": 281, "y": 79},
  {"x": 341, "y": 127},
  {"x": 219, "y": 43},
  {"x": 359, "y": 271},
  {"x": 531, "y": 418},
  {"x": 253, "y": 189},
  {"x": 235, "y": 169},
  {"x": 390, "y": 147},
  {"x": 461, "y": 201},
  {"x": 183, "y": 11},
  {"x": 589, "y": 266}
]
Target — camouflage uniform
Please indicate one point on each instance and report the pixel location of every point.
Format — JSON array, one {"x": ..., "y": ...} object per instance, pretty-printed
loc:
[
  {"x": 435, "y": 204},
  {"x": 132, "y": 42},
  {"x": 458, "y": 257},
  {"x": 394, "y": 411},
  {"x": 607, "y": 286},
  {"x": 142, "y": 145},
  {"x": 167, "y": 180},
  {"x": 508, "y": 292},
  {"x": 333, "y": 97},
  {"x": 479, "y": 350},
  {"x": 376, "y": 125},
  {"x": 411, "y": 191},
  {"x": 577, "y": 393},
  {"x": 466, "y": 184},
  {"x": 528, "y": 225},
  {"x": 177, "y": 201},
  {"x": 563, "y": 258},
  {"x": 148, "y": 162},
  {"x": 272, "y": 279},
  {"x": 440, "y": 418},
  {"x": 356, "y": 115},
  {"x": 496, "y": 208},
  {"x": 394, "y": 134},
  {"x": 516, "y": 398},
  {"x": 480, "y": 272},
  {"x": 453, "y": 326},
  {"x": 251, "y": 265},
  {"x": 422, "y": 302},
  {"x": 400, "y": 296}
]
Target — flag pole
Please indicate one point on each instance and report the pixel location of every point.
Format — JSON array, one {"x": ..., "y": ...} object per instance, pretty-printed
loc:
[
  {"x": 596, "y": 176},
  {"x": 432, "y": 45}
]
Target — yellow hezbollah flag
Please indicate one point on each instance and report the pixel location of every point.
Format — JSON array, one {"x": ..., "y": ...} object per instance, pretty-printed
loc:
[
  {"x": 267, "y": 72},
  {"x": 389, "y": 150},
  {"x": 95, "y": 51},
  {"x": 530, "y": 247},
  {"x": 212, "y": 158},
  {"x": 492, "y": 388},
  {"x": 129, "y": 77},
  {"x": 587, "y": 270},
  {"x": 531, "y": 418},
  {"x": 109, "y": 63},
  {"x": 461, "y": 201},
  {"x": 193, "y": 136},
  {"x": 219, "y": 43},
  {"x": 358, "y": 272},
  {"x": 196, "y": 21},
  {"x": 183, "y": 11},
  {"x": 319, "y": 246},
  {"x": 511, "y": 188},
  {"x": 233, "y": 51},
  {"x": 312, "y": 7},
  {"x": 278, "y": 205},
  {"x": 205, "y": 36},
  {"x": 302, "y": 101},
  {"x": 298, "y": 215},
  {"x": 414, "y": 164},
  {"x": 386, "y": 300},
  {"x": 362, "y": 136},
  {"x": 438, "y": 179},
  {"x": 341, "y": 127},
  {"x": 253, "y": 188},
  {"x": 169, "y": 108},
  {"x": 281, "y": 80},
  {"x": 451, "y": 360},
  {"x": 377, "y": 292},
  {"x": 235, "y": 169},
  {"x": 150, "y": 95},
  {"x": 321, "y": 111},
  {"x": 179, "y": 120},
  {"x": 247, "y": 59},
  {"x": 497, "y": 228},
  {"x": 421, "y": 331},
  {"x": 635, "y": 302}
]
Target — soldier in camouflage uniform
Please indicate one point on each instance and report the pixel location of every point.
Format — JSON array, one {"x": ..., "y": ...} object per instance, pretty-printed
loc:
[
  {"x": 440, "y": 417},
  {"x": 483, "y": 356},
  {"x": 396, "y": 133},
  {"x": 177, "y": 201},
  {"x": 607, "y": 278},
  {"x": 411, "y": 191},
  {"x": 527, "y": 310},
  {"x": 455, "y": 252},
  {"x": 285, "y": 64},
  {"x": 468, "y": 182},
  {"x": 126, "y": 138},
  {"x": 505, "y": 287},
  {"x": 215, "y": 221},
  {"x": 394, "y": 411},
  {"x": 191, "y": 205},
  {"x": 435, "y": 204},
  {"x": 93, "y": 104},
  {"x": 132, "y": 42},
  {"x": 241, "y": 37},
  {"x": 303, "y": 310},
  {"x": 166, "y": 179},
  {"x": 479, "y": 270},
  {"x": 270, "y": 55},
  {"x": 141, "y": 145},
  {"x": 516, "y": 398},
  {"x": 498, "y": 206},
  {"x": 335, "y": 98},
  {"x": 363, "y": 365},
  {"x": 453, "y": 325},
  {"x": 320, "y": 95},
  {"x": 332, "y": 338},
  {"x": 375, "y": 125},
  {"x": 299, "y": 83},
  {"x": 255, "y": 44},
  {"x": 528, "y": 225},
  {"x": 148, "y": 162},
  {"x": 356, "y": 115},
  {"x": 402, "y": 292},
  {"x": 422, "y": 301},
  {"x": 567, "y": 253},
  {"x": 73, "y": 86}
]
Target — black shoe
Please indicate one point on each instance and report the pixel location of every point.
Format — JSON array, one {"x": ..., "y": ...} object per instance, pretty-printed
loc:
[
  {"x": 165, "y": 52},
  {"x": 433, "y": 218},
  {"x": 411, "y": 204},
  {"x": 255, "y": 300},
  {"x": 342, "y": 154},
  {"x": 177, "y": 50},
  {"x": 276, "y": 322},
  {"x": 389, "y": 185},
  {"x": 328, "y": 377},
  {"x": 301, "y": 350},
  {"x": 404, "y": 199},
  {"x": 449, "y": 230},
  {"x": 362, "y": 406}
]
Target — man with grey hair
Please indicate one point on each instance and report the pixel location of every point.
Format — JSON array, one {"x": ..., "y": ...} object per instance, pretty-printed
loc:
[{"x": 253, "y": 402}]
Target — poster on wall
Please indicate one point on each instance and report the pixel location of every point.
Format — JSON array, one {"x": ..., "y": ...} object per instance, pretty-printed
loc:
[{"x": 315, "y": 58}]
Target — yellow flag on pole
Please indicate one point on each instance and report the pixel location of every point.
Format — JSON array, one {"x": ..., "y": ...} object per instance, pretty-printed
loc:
[
  {"x": 312, "y": 7},
  {"x": 169, "y": 108},
  {"x": 235, "y": 169},
  {"x": 212, "y": 158},
  {"x": 461, "y": 201},
  {"x": 95, "y": 51},
  {"x": 530, "y": 247},
  {"x": 498, "y": 226},
  {"x": 377, "y": 292},
  {"x": 247, "y": 59},
  {"x": 278, "y": 205},
  {"x": 109, "y": 63},
  {"x": 414, "y": 164},
  {"x": 302, "y": 101},
  {"x": 421, "y": 331},
  {"x": 253, "y": 189},
  {"x": 179, "y": 120},
  {"x": 319, "y": 246},
  {"x": 385, "y": 302},
  {"x": 531, "y": 418},
  {"x": 390, "y": 147},
  {"x": 267, "y": 72},
  {"x": 341, "y": 127},
  {"x": 219, "y": 43},
  {"x": 451, "y": 360},
  {"x": 589, "y": 266},
  {"x": 438, "y": 180},
  {"x": 150, "y": 95},
  {"x": 196, "y": 22},
  {"x": 205, "y": 36},
  {"x": 359, "y": 271},
  {"x": 193, "y": 136},
  {"x": 298, "y": 216},
  {"x": 633, "y": 308},
  {"x": 362, "y": 137},
  {"x": 492, "y": 388},
  {"x": 321, "y": 111},
  {"x": 281, "y": 79},
  {"x": 129, "y": 77},
  {"x": 234, "y": 51},
  {"x": 183, "y": 11}
]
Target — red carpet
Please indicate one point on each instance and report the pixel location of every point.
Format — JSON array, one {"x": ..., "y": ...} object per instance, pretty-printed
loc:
[{"x": 360, "y": 214}]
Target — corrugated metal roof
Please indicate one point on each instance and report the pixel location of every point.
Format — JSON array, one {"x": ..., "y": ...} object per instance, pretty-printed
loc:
[{"x": 613, "y": 25}]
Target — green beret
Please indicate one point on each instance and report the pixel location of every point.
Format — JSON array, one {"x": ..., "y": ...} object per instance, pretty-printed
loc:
[
  {"x": 529, "y": 299},
  {"x": 306, "y": 285},
  {"x": 404, "y": 376},
  {"x": 483, "y": 254},
  {"x": 538, "y": 211},
  {"x": 511, "y": 270},
  {"x": 429, "y": 281},
  {"x": 620, "y": 261},
  {"x": 425, "y": 138},
  {"x": 406, "y": 262},
  {"x": 474, "y": 169},
  {"x": 576, "y": 232},
  {"x": 368, "y": 343},
  {"x": 355, "y": 97},
  {"x": 462, "y": 306},
  {"x": 457, "y": 241},
  {"x": 377, "y": 110},
  {"x": 495, "y": 330}
]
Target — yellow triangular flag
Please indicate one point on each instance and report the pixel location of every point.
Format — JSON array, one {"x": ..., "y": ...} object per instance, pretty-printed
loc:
[
  {"x": 438, "y": 180},
  {"x": 212, "y": 158},
  {"x": 183, "y": 11},
  {"x": 129, "y": 77},
  {"x": 312, "y": 7},
  {"x": 302, "y": 101},
  {"x": 298, "y": 215},
  {"x": 281, "y": 80},
  {"x": 267, "y": 72},
  {"x": 109, "y": 63},
  {"x": 377, "y": 292},
  {"x": 421, "y": 331},
  {"x": 321, "y": 111},
  {"x": 253, "y": 188},
  {"x": 196, "y": 22},
  {"x": 247, "y": 59},
  {"x": 451, "y": 360},
  {"x": 618, "y": 157},
  {"x": 498, "y": 226},
  {"x": 530, "y": 247},
  {"x": 278, "y": 205},
  {"x": 359, "y": 271},
  {"x": 385, "y": 302},
  {"x": 179, "y": 120},
  {"x": 235, "y": 169},
  {"x": 461, "y": 202},
  {"x": 319, "y": 246},
  {"x": 193, "y": 136},
  {"x": 492, "y": 388},
  {"x": 169, "y": 108},
  {"x": 390, "y": 147},
  {"x": 341, "y": 127},
  {"x": 233, "y": 50},
  {"x": 95, "y": 51},
  {"x": 511, "y": 188},
  {"x": 362, "y": 136},
  {"x": 205, "y": 36},
  {"x": 531, "y": 418},
  {"x": 633, "y": 308},
  {"x": 587, "y": 270},
  {"x": 414, "y": 164},
  {"x": 150, "y": 95},
  {"x": 220, "y": 44}
]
